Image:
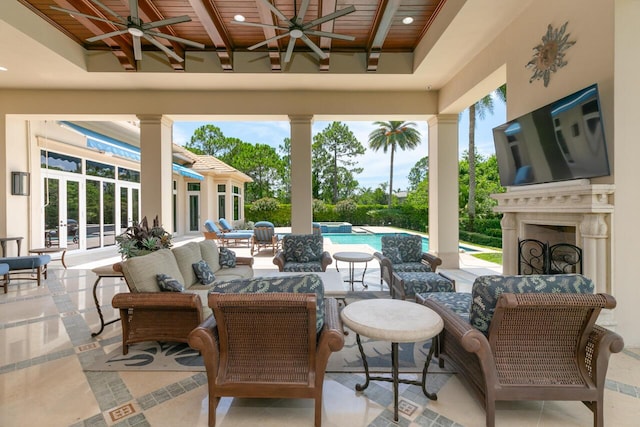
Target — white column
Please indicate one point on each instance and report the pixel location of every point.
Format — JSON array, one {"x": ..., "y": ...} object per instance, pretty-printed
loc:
[
  {"x": 443, "y": 189},
  {"x": 301, "y": 189},
  {"x": 156, "y": 185},
  {"x": 509, "y": 244}
]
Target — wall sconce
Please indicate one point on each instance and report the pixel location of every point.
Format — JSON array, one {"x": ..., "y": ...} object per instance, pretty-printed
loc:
[{"x": 20, "y": 183}]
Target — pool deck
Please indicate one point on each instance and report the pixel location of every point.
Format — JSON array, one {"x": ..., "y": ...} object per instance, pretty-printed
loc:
[{"x": 470, "y": 267}]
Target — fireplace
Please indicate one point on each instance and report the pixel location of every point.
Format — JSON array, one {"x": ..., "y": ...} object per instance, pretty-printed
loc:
[{"x": 573, "y": 212}]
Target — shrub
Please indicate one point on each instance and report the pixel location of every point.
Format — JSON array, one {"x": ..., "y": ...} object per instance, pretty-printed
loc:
[
  {"x": 140, "y": 239},
  {"x": 266, "y": 204}
]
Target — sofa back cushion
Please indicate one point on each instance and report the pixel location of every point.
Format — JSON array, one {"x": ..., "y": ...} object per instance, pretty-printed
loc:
[
  {"x": 302, "y": 247},
  {"x": 304, "y": 283},
  {"x": 210, "y": 253},
  {"x": 140, "y": 272},
  {"x": 487, "y": 289},
  {"x": 186, "y": 256},
  {"x": 401, "y": 248}
]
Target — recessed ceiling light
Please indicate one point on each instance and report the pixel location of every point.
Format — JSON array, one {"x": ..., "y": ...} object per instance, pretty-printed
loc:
[
  {"x": 239, "y": 18},
  {"x": 2, "y": 68},
  {"x": 407, "y": 20}
]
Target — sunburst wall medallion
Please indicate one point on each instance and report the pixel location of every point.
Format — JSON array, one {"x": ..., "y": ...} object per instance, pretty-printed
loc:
[{"x": 548, "y": 56}]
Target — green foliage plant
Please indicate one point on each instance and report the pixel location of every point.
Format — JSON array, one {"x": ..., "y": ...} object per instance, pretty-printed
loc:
[{"x": 140, "y": 239}]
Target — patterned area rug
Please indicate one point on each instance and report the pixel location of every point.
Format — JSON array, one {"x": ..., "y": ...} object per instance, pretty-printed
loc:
[{"x": 156, "y": 356}]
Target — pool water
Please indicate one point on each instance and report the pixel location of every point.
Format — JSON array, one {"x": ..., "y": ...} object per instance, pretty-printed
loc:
[{"x": 373, "y": 240}]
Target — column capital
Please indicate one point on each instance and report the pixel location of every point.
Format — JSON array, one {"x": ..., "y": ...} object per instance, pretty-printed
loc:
[
  {"x": 154, "y": 119},
  {"x": 299, "y": 119},
  {"x": 594, "y": 226}
]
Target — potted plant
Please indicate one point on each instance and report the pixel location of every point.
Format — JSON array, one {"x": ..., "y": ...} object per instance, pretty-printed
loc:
[{"x": 140, "y": 239}]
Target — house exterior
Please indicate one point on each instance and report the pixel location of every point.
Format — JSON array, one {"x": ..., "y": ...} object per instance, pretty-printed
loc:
[{"x": 473, "y": 47}]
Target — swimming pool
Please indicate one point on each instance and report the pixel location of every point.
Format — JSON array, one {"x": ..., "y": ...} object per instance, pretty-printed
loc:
[{"x": 373, "y": 240}]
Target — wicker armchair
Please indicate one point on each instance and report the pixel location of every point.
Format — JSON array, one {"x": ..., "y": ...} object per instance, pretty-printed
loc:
[
  {"x": 302, "y": 252},
  {"x": 538, "y": 346},
  {"x": 274, "y": 350}
]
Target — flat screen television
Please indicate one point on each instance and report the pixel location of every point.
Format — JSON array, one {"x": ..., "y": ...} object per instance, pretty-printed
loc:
[{"x": 561, "y": 141}]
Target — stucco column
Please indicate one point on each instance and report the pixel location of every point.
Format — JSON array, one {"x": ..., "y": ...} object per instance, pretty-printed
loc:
[
  {"x": 443, "y": 189},
  {"x": 156, "y": 183},
  {"x": 301, "y": 193}
]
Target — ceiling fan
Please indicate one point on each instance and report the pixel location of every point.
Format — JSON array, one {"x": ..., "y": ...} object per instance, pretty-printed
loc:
[
  {"x": 296, "y": 28},
  {"x": 133, "y": 25}
]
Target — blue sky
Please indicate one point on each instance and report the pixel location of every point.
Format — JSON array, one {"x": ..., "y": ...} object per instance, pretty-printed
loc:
[{"x": 375, "y": 164}]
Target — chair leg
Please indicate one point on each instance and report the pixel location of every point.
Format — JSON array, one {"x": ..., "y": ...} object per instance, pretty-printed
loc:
[
  {"x": 318, "y": 412},
  {"x": 598, "y": 412},
  {"x": 491, "y": 412}
]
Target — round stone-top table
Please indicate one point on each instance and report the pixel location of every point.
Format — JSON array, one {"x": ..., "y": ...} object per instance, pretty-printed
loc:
[
  {"x": 396, "y": 321},
  {"x": 352, "y": 258}
]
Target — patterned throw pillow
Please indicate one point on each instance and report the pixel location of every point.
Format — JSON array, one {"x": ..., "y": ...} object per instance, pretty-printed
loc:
[
  {"x": 227, "y": 258},
  {"x": 169, "y": 284},
  {"x": 203, "y": 272}
]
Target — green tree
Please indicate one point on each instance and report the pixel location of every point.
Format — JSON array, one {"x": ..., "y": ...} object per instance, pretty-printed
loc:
[
  {"x": 418, "y": 173},
  {"x": 262, "y": 163},
  {"x": 479, "y": 110},
  {"x": 285, "y": 190},
  {"x": 391, "y": 135},
  {"x": 334, "y": 151},
  {"x": 208, "y": 140}
]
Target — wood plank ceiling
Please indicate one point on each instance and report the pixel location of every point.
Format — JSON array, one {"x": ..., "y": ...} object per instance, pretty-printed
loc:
[{"x": 377, "y": 26}]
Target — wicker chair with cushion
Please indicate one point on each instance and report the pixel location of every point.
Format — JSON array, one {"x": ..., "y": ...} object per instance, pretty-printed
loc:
[
  {"x": 275, "y": 343},
  {"x": 527, "y": 338},
  {"x": 302, "y": 252},
  {"x": 402, "y": 253},
  {"x": 264, "y": 236}
]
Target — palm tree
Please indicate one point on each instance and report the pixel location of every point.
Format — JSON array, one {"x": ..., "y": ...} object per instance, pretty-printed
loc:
[
  {"x": 479, "y": 109},
  {"x": 390, "y": 135}
]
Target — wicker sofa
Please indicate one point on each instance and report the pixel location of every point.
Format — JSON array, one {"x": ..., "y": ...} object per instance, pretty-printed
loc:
[
  {"x": 268, "y": 337},
  {"x": 147, "y": 314},
  {"x": 527, "y": 338}
]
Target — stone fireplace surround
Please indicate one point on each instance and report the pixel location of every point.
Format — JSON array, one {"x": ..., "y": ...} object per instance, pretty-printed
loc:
[{"x": 580, "y": 204}]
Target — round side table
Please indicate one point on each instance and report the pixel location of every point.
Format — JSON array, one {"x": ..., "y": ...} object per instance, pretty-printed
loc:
[
  {"x": 352, "y": 258},
  {"x": 396, "y": 321}
]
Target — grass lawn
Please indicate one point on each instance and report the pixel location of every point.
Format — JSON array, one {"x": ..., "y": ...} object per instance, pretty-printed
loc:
[{"x": 490, "y": 256}]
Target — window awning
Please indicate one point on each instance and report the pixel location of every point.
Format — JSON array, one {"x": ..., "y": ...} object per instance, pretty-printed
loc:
[{"x": 107, "y": 144}]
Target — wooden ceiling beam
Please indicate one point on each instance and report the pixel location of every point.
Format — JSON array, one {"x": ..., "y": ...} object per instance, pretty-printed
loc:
[
  {"x": 380, "y": 30},
  {"x": 273, "y": 47},
  {"x": 215, "y": 28},
  {"x": 326, "y": 7},
  {"x": 120, "y": 45},
  {"x": 149, "y": 13}
]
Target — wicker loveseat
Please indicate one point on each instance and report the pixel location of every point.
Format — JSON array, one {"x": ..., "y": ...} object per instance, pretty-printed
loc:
[
  {"x": 302, "y": 252},
  {"x": 268, "y": 337},
  {"x": 527, "y": 338},
  {"x": 147, "y": 314}
]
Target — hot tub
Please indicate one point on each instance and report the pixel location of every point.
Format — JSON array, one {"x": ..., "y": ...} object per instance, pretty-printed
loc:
[{"x": 335, "y": 227}]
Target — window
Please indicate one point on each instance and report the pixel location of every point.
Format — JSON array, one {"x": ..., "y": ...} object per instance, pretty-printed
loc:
[
  {"x": 193, "y": 186},
  {"x": 125, "y": 174},
  {"x": 221, "y": 206},
  {"x": 60, "y": 162},
  {"x": 236, "y": 203},
  {"x": 222, "y": 188},
  {"x": 100, "y": 169}
]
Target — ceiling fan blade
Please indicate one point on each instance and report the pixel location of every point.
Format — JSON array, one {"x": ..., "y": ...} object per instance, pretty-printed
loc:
[
  {"x": 255, "y": 24},
  {"x": 111, "y": 12},
  {"x": 330, "y": 35},
  {"x": 176, "y": 39},
  {"x": 303, "y": 11},
  {"x": 137, "y": 48},
  {"x": 287, "y": 55},
  {"x": 257, "y": 45},
  {"x": 168, "y": 21},
  {"x": 107, "y": 35},
  {"x": 275, "y": 10},
  {"x": 76, "y": 13},
  {"x": 329, "y": 17},
  {"x": 163, "y": 48},
  {"x": 313, "y": 46},
  {"x": 133, "y": 11}
]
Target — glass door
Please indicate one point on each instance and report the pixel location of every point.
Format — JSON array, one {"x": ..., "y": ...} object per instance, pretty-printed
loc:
[{"x": 61, "y": 212}]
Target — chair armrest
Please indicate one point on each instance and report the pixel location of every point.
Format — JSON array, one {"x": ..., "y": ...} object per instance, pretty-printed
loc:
[
  {"x": 242, "y": 260},
  {"x": 279, "y": 260},
  {"x": 157, "y": 300},
  {"x": 453, "y": 282},
  {"x": 397, "y": 287},
  {"x": 204, "y": 338},
  {"x": 325, "y": 260},
  {"x": 432, "y": 260},
  {"x": 117, "y": 267},
  {"x": 333, "y": 329},
  {"x": 600, "y": 345},
  {"x": 378, "y": 255}
]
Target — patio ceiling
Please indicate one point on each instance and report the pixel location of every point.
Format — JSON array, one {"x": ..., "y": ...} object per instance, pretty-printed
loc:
[{"x": 46, "y": 48}]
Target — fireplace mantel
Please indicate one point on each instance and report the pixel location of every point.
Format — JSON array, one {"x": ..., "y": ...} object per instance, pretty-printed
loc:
[{"x": 569, "y": 197}]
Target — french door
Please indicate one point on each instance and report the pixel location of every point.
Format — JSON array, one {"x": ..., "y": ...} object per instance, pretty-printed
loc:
[{"x": 62, "y": 220}]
